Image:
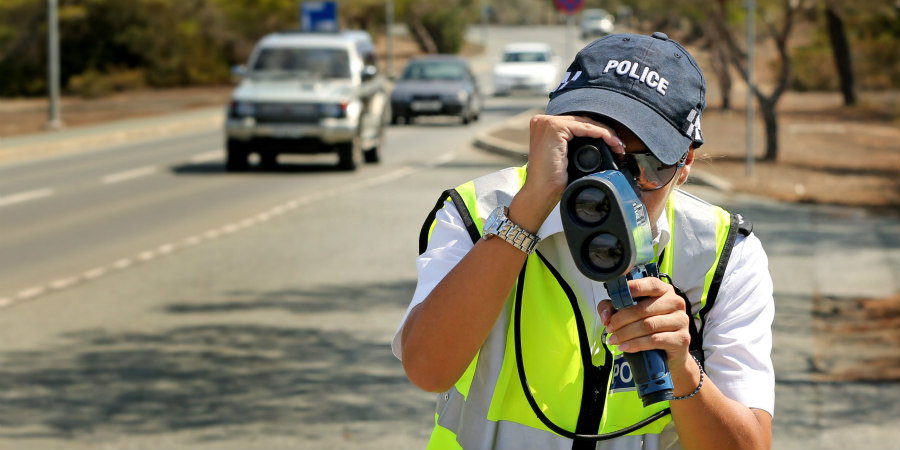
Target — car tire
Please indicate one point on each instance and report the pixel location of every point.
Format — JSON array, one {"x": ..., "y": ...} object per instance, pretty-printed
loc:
[
  {"x": 236, "y": 156},
  {"x": 268, "y": 160},
  {"x": 349, "y": 155},
  {"x": 467, "y": 115},
  {"x": 371, "y": 155}
]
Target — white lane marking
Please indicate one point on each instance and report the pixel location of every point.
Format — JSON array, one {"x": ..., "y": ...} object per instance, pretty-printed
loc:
[
  {"x": 63, "y": 283},
  {"x": 26, "y": 196},
  {"x": 31, "y": 292},
  {"x": 129, "y": 174},
  {"x": 214, "y": 155},
  {"x": 94, "y": 273},
  {"x": 443, "y": 159},
  {"x": 210, "y": 235}
]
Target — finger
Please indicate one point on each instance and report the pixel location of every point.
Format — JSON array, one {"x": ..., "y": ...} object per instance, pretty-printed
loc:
[
  {"x": 648, "y": 287},
  {"x": 589, "y": 127},
  {"x": 672, "y": 343},
  {"x": 605, "y": 309},
  {"x": 648, "y": 326}
]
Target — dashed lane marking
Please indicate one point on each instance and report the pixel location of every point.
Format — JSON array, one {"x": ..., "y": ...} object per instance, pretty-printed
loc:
[
  {"x": 26, "y": 196},
  {"x": 209, "y": 235},
  {"x": 129, "y": 174}
]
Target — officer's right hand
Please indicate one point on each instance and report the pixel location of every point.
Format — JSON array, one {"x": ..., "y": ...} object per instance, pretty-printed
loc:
[{"x": 547, "y": 163}]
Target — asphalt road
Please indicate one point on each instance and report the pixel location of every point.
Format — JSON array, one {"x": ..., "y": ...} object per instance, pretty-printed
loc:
[
  {"x": 149, "y": 299},
  {"x": 170, "y": 304}
]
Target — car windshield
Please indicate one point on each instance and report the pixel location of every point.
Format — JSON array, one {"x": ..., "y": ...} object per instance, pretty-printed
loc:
[
  {"x": 434, "y": 70},
  {"x": 525, "y": 57},
  {"x": 305, "y": 62}
]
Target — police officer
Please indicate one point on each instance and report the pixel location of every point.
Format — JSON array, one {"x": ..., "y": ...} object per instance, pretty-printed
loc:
[{"x": 494, "y": 260}]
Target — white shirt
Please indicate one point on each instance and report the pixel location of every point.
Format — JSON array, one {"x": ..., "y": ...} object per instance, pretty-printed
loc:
[{"x": 737, "y": 337}]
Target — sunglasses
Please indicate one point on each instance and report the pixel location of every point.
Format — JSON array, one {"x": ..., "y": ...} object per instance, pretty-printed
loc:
[{"x": 648, "y": 171}]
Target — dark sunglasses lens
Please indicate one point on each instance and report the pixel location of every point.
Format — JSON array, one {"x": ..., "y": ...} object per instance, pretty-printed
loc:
[{"x": 653, "y": 173}]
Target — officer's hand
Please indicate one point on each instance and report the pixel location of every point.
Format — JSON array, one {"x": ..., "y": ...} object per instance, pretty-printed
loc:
[
  {"x": 658, "y": 321},
  {"x": 548, "y": 146}
]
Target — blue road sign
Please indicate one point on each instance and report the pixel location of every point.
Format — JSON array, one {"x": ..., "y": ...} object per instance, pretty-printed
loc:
[{"x": 318, "y": 16}]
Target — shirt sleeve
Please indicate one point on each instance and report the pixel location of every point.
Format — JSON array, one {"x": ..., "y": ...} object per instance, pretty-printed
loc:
[
  {"x": 737, "y": 338},
  {"x": 449, "y": 243}
]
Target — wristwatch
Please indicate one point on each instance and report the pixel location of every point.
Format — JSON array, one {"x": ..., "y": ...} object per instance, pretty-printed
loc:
[{"x": 497, "y": 224}]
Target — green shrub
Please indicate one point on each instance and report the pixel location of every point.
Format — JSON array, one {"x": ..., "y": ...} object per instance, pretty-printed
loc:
[{"x": 93, "y": 84}]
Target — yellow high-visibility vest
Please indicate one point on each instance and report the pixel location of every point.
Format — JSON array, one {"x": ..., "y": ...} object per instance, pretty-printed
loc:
[{"x": 555, "y": 352}]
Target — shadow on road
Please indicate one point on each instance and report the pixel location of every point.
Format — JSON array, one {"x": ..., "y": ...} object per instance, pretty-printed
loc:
[{"x": 277, "y": 379}]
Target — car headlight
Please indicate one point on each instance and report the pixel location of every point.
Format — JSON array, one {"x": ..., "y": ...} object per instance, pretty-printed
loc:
[
  {"x": 333, "y": 109},
  {"x": 459, "y": 96},
  {"x": 242, "y": 109},
  {"x": 401, "y": 96}
]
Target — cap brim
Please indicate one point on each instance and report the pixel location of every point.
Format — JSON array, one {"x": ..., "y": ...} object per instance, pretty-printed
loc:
[{"x": 661, "y": 138}]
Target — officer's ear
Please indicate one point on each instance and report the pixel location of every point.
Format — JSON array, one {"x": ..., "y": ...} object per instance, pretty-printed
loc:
[{"x": 686, "y": 170}]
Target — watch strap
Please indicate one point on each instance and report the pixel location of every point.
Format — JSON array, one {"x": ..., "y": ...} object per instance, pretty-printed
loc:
[{"x": 510, "y": 232}]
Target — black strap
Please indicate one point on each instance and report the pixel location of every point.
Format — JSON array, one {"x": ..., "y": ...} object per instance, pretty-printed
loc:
[
  {"x": 696, "y": 346},
  {"x": 463, "y": 213},
  {"x": 719, "y": 274},
  {"x": 520, "y": 366}
]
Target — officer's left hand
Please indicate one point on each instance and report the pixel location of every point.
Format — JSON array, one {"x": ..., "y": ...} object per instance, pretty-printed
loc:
[{"x": 658, "y": 321}]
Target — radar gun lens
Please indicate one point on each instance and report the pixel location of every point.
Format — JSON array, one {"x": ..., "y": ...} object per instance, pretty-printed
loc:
[
  {"x": 591, "y": 206},
  {"x": 605, "y": 252}
]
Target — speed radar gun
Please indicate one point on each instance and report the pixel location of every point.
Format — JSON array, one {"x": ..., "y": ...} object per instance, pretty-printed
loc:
[{"x": 608, "y": 231}]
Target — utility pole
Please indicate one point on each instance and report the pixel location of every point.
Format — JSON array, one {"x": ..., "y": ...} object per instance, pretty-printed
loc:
[
  {"x": 389, "y": 35},
  {"x": 54, "y": 122},
  {"x": 751, "y": 41},
  {"x": 484, "y": 22}
]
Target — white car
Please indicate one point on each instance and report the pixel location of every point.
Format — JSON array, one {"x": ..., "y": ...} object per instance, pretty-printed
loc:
[
  {"x": 308, "y": 92},
  {"x": 527, "y": 66},
  {"x": 596, "y": 22}
]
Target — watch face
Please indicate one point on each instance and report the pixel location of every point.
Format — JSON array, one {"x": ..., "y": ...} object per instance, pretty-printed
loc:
[{"x": 492, "y": 222}]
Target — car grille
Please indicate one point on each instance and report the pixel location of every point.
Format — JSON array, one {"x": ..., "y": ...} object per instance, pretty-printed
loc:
[{"x": 287, "y": 113}]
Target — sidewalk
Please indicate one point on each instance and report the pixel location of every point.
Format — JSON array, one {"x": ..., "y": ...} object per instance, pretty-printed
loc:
[
  {"x": 816, "y": 254},
  {"x": 109, "y": 134}
]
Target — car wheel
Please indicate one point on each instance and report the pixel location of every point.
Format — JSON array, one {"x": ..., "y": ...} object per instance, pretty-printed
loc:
[
  {"x": 371, "y": 155},
  {"x": 467, "y": 115},
  {"x": 236, "y": 156},
  {"x": 349, "y": 155},
  {"x": 268, "y": 160}
]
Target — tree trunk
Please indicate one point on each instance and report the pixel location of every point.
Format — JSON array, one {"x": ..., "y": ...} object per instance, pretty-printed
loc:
[
  {"x": 421, "y": 35},
  {"x": 770, "y": 118},
  {"x": 838, "y": 37},
  {"x": 720, "y": 66}
]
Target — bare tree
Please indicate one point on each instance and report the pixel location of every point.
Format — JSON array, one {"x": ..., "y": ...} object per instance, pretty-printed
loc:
[
  {"x": 719, "y": 61},
  {"x": 837, "y": 35},
  {"x": 779, "y": 33}
]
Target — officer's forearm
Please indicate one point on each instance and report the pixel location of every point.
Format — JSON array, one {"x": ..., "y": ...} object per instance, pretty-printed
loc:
[
  {"x": 442, "y": 335},
  {"x": 710, "y": 420}
]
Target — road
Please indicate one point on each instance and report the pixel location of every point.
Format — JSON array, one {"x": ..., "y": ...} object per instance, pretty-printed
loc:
[
  {"x": 169, "y": 304},
  {"x": 150, "y": 299}
]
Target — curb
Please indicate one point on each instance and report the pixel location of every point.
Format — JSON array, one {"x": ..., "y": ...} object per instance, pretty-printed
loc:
[
  {"x": 73, "y": 140},
  {"x": 485, "y": 139}
]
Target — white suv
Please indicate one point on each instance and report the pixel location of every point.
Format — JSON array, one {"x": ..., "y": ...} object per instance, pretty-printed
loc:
[{"x": 308, "y": 92}]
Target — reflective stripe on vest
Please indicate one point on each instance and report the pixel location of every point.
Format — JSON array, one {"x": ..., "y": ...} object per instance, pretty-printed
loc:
[{"x": 489, "y": 391}]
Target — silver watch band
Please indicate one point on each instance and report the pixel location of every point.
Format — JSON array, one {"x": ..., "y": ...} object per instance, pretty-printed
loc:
[{"x": 510, "y": 232}]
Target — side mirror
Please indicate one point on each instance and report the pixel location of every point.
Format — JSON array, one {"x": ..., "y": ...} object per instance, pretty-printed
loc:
[
  {"x": 239, "y": 71},
  {"x": 369, "y": 72}
]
